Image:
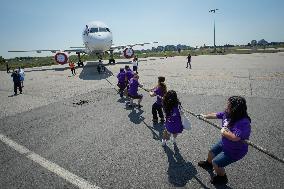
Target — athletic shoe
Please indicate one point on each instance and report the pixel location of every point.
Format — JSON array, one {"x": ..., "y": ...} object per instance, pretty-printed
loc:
[
  {"x": 205, "y": 165},
  {"x": 164, "y": 142},
  {"x": 217, "y": 179},
  {"x": 173, "y": 140}
]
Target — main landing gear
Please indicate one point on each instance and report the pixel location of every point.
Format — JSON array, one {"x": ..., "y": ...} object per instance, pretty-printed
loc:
[
  {"x": 80, "y": 63},
  {"x": 111, "y": 59}
]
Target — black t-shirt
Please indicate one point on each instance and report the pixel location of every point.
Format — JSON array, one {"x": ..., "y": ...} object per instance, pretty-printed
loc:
[{"x": 189, "y": 58}]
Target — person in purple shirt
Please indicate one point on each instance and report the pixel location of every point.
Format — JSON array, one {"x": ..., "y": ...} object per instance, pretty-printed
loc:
[
  {"x": 173, "y": 125},
  {"x": 235, "y": 128},
  {"x": 133, "y": 90},
  {"x": 121, "y": 81},
  {"x": 128, "y": 75},
  {"x": 159, "y": 91}
]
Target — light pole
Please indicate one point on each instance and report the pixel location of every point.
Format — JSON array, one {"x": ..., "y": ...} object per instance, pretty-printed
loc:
[{"x": 214, "y": 11}]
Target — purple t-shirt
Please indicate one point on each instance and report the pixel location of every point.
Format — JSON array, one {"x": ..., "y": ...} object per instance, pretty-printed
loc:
[
  {"x": 133, "y": 87},
  {"x": 158, "y": 91},
  {"x": 121, "y": 77},
  {"x": 129, "y": 74},
  {"x": 173, "y": 121},
  {"x": 236, "y": 150}
]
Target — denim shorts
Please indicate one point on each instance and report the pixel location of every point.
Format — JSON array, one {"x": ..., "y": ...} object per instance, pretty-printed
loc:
[{"x": 220, "y": 158}]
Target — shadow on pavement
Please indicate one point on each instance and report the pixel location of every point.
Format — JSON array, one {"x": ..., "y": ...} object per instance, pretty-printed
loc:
[
  {"x": 157, "y": 127},
  {"x": 179, "y": 171},
  {"x": 128, "y": 62},
  {"x": 135, "y": 115},
  {"x": 37, "y": 69},
  {"x": 90, "y": 72}
]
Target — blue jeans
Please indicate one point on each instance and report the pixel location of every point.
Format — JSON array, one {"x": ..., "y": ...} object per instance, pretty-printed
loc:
[{"x": 220, "y": 158}]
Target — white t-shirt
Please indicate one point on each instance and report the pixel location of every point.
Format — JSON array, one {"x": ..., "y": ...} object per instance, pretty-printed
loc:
[{"x": 134, "y": 63}]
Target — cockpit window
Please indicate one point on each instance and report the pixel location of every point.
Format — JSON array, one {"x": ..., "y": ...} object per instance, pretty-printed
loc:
[
  {"x": 94, "y": 30},
  {"x": 104, "y": 30}
]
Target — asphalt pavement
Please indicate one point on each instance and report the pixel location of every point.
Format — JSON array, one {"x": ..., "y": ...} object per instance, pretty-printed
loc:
[{"x": 70, "y": 132}]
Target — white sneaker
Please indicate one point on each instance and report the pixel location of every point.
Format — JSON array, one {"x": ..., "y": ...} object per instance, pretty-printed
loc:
[
  {"x": 164, "y": 142},
  {"x": 173, "y": 140}
]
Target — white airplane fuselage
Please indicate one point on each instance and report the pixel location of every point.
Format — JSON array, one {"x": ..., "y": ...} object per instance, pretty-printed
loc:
[{"x": 97, "y": 37}]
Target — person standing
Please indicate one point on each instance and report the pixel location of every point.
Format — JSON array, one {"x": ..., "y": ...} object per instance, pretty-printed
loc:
[
  {"x": 17, "y": 82},
  {"x": 22, "y": 76},
  {"x": 159, "y": 91},
  {"x": 173, "y": 125},
  {"x": 7, "y": 67},
  {"x": 188, "y": 61},
  {"x": 135, "y": 64},
  {"x": 72, "y": 67},
  {"x": 230, "y": 148}
]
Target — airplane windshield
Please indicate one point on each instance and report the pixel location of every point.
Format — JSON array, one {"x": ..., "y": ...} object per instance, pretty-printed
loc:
[
  {"x": 94, "y": 30},
  {"x": 104, "y": 30}
]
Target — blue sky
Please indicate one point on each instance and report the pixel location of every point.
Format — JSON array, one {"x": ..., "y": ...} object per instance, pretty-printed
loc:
[{"x": 58, "y": 24}]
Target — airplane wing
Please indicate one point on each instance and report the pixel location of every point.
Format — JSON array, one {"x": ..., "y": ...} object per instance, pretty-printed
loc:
[
  {"x": 74, "y": 49},
  {"x": 38, "y": 51},
  {"x": 113, "y": 47}
]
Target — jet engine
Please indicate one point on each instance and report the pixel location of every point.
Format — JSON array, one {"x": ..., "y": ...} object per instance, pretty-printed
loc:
[
  {"x": 61, "y": 58},
  {"x": 128, "y": 53}
]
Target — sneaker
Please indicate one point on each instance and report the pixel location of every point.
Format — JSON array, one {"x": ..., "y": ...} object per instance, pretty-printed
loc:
[
  {"x": 217, "y": 179},
  {"x": 173, "y": 140},
  {"x": 21, "y": 93},
  {"x": 205, "y": 165},
  {"x": 164, "y": 142}
]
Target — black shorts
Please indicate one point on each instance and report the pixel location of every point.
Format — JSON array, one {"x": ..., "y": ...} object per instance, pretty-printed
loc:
[
  {"x": 134, "y": 68},
  {"x": 139, "y": 96}
]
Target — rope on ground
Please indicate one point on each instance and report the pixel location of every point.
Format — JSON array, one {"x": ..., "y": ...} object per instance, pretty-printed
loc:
[
  {"x": 265, "y": 151},
  {"x": 111, "y": 84}
]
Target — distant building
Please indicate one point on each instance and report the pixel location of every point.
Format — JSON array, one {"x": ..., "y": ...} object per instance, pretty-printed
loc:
[
  {"x": 262, "y": 42},
  {"x": 277, "y": 43}
]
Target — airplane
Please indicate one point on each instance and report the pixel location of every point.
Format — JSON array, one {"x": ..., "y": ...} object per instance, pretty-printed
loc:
[
  {"x": 213, "y": 10},
  {"x": 97, "y": 39}
]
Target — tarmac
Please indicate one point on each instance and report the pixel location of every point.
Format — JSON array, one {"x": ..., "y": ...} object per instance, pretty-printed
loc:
[{"x": 75, "y": 132}]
